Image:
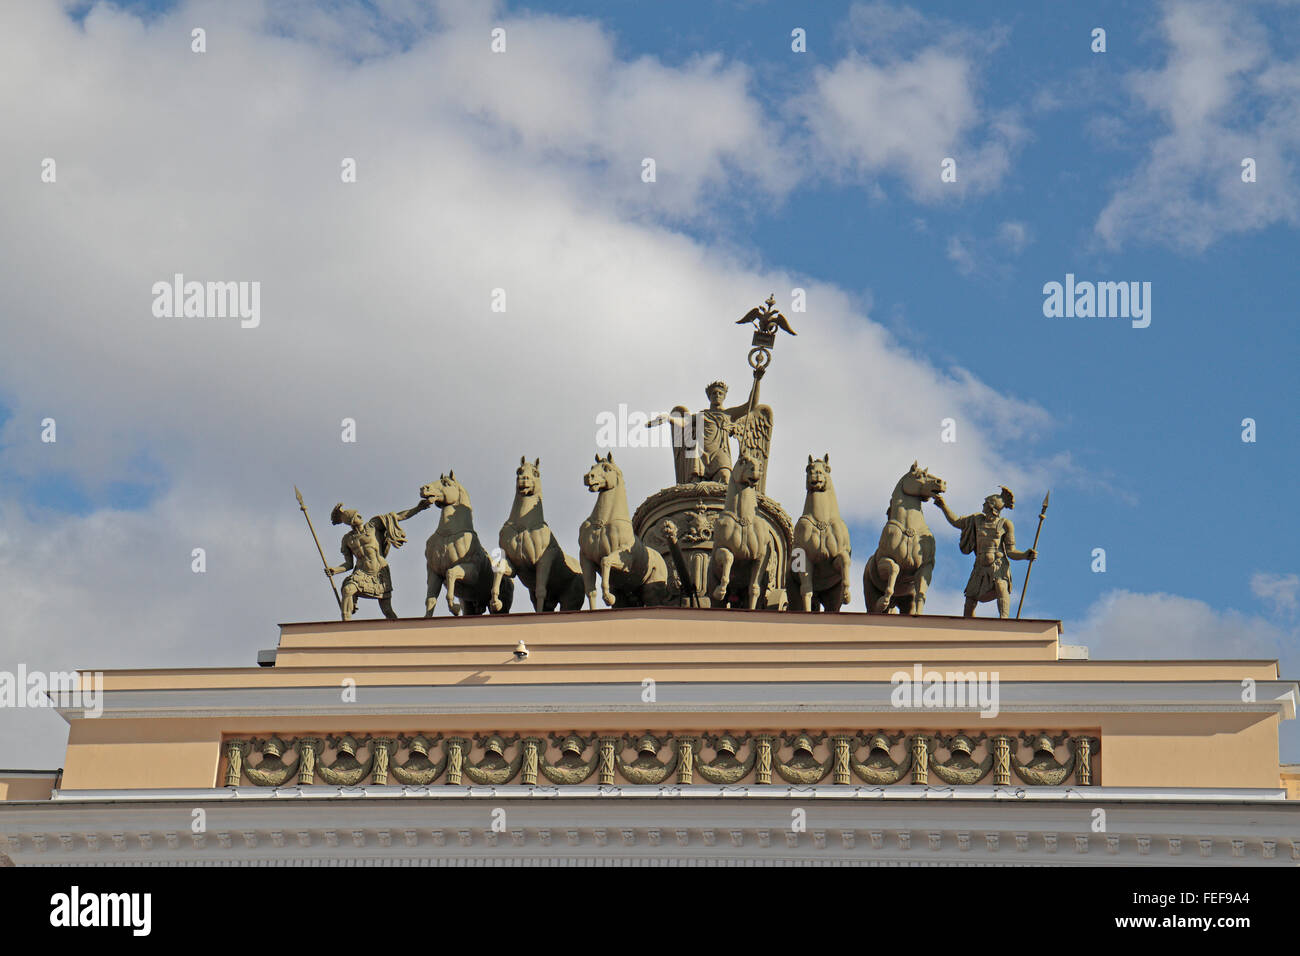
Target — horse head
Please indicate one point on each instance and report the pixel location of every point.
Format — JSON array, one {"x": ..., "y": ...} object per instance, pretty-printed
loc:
[
  {"x": 528, "y": 478},
  {"x": 748, "y": 471},
  {"x": 445, "y": 491},
  {"x": 919, "y": 483},
  {"x": 604, "y": 475},
  {"x": 817, "y": 473}
]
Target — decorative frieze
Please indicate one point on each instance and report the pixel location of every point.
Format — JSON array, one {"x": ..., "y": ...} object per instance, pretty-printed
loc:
[{"x": 800, "y": 758}]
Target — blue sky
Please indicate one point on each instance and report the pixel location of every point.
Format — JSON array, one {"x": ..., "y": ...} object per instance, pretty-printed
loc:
[{"x": 1115, "y": 166}]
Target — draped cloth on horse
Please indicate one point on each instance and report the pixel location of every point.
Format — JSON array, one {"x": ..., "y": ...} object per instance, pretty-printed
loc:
[{"x": 983, "y": 583}]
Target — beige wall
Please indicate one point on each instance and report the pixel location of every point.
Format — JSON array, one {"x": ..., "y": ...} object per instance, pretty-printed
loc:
[
  {"x": 1289, "y": 778},
  {"x": 1138, "y": 749},
  {"x": 27, "y": 786},
  {"x": 1190, "y": 750}
]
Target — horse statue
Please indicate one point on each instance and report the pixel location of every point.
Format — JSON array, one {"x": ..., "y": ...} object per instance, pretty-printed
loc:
[
  {"x": 736, "y": 537},
  {"x": 453, "y": 554},
  {"x": 630, "y": 573},
  {"x": 898, "y": 574},
  {"x": 822, "y": 551},
  {"x": 552, "y": 577}
]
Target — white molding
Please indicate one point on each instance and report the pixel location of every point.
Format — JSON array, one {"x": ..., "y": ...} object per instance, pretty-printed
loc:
[
  {"x": 904, "y": 792},
  {"x": 41, "y": 774},
  {"x": 857, "y": 697}
]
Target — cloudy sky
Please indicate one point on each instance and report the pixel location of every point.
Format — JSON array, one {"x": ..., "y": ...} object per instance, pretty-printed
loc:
[{"x": 522, "y": 171}]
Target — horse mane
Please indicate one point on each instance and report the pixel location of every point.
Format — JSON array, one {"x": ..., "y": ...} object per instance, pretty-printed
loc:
[
  {"x": 464, "y": 494},
  {"x": 898, "y": 492},
  {"x": 619, "y": 490},
  {"x": 830, "y": 490}
]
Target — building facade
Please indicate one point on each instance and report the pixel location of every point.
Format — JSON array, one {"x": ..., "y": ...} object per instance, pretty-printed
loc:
[{"x": 667, "y": 736}]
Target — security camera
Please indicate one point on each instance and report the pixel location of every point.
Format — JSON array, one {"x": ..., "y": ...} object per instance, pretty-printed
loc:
[{"x": 521, "y": 651}]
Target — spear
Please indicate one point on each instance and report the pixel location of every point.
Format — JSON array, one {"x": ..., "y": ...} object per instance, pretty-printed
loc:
[
  {"x": 1041, "y": 515},
  {"x": 321, "y": 550}
]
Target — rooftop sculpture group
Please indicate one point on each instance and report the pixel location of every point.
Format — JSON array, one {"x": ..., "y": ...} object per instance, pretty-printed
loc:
[{"x": 713, "y": 538}]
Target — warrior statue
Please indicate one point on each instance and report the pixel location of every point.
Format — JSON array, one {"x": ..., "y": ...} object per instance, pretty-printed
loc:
[
  {"x": 365, "y": 553},
  {"x": 992, "y": 539},
  {"x": 702, "y": 442}
]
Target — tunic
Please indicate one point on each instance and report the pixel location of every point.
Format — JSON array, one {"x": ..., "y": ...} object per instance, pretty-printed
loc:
[{"x": 985, "y": 535}]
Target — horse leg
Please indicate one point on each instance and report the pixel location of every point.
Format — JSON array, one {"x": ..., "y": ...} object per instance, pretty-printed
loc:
[
  {"x": 795, "y": 584},
  {"x": 869, "y": 592},
  {"x": 454, "y": 576},
  {"x": 843, "y": 565},
  {"x": 573, "y": 596},
  {"x": 497, "y": 575},
  {"x": 431, "y": 597},
  {"x": 589, "y": 580},
  {"x": 831, "y": 599},
  {"x": 922, "y": 585},
  {"x": 890, "y": 576},
  {"x": 611, "y": 561},
  {"x": 921, "y": 580},
  {"x": 541, "y": 578},
  {"x": 754, "y": 573},
  {"x": 722, "y": 561}
]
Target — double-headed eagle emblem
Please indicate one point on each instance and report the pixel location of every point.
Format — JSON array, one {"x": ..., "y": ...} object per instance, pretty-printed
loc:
[{"x": 768, "y": 320}]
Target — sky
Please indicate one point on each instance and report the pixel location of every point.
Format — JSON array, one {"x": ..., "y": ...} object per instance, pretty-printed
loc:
[{"x": 523, "y": 170}]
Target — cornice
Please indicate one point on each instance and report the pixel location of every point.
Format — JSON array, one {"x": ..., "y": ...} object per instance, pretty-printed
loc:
[
  {"x": 873, "y": 697},
  {"x": 658, "y": 826}
]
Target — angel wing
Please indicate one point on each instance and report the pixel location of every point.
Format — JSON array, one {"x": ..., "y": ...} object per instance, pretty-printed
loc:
[{"x": 754, "y": 434}]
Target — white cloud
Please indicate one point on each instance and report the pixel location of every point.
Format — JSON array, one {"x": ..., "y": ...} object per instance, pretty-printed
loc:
[
  {"x": 877, "y": 113},
  {"x": 960, "y": 255},
  {"x": 1014, "y": 235},
  {"x": 1223, "y": 94},
  {"x": 375, "y": 306},
  {"x": 989, "y": 257},
  {"x": 1123, "y": 624},
  {"x": 1279, "y": 590}
]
